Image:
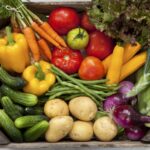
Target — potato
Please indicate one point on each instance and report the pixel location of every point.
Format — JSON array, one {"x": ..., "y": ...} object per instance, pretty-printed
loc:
[
  {"x": 59, "y": 127},
  {"x": 105, "y": 129},
  {"x": 83, "y": 108},
  {"x": 56, "y": 107},
  {"x": 81, "y": 131}
]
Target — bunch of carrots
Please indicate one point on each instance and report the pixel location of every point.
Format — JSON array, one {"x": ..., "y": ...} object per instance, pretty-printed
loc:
[{"x": 37, "y": 32}]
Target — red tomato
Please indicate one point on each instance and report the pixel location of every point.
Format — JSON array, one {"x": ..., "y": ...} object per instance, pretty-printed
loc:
[
  {"x": 100, "y": 45},
  {"x": 63, "y": 19},
  {"x": 86, "y": 24},
  {"x": 91, "y": 68},
  {"x": 67, "y": 60}
]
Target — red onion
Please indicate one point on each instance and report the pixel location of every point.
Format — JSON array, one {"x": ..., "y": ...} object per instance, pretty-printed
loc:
[
  {"x": 135, "y": 133},
  {"x": 126, "y": 116},
  {"x": 125, "y": 87},
  {"x": 113, "y": 101}
]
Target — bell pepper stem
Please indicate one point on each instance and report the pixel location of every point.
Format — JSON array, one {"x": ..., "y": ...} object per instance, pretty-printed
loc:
[
  {"x": 9, "y": 36},
  {"x": 39, "y": 74}
]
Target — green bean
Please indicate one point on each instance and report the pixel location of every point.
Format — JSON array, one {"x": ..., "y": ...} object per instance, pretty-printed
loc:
[
  {"x": 62, "y": 93},
  {"x": 82, "y": 90},
  {"x": 74, "y": 96}
]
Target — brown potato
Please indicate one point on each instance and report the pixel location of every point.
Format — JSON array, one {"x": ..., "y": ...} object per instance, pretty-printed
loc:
[
  {"x": 83, "y": 108},
  {"x": 56, "y": 107},
  {"x": 59, "y": 127},
  {"x": 81, "y": 131}
]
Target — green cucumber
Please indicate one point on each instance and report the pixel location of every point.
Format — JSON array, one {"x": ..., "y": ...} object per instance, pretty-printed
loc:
[
  {"x": 19, "y": 108},
  {"x": 35, "y": 132},
  {"x": 8, "y": 125},
  {"x": 11, "y": 81},
  {"x": 34, "y": 110},
  {"x": 21, "y": 98},
  {"x": 28, "y": 121},
  {"x": 9, "y": 108}
]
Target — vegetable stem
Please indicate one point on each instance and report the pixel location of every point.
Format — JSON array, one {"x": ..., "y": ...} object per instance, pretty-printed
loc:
[{"x": 9, "y": 36}]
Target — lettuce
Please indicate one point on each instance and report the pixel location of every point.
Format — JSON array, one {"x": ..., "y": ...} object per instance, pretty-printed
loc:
[{"x": 124, "y": 20}]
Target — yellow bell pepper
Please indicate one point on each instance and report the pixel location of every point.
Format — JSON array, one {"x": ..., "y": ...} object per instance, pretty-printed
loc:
[
  {"x": 39, "y": 78},
  {"x": 14, "y": 52}
]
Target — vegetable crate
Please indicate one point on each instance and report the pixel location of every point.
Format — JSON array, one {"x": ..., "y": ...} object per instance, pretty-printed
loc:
[{"x": 25, "y": 128}]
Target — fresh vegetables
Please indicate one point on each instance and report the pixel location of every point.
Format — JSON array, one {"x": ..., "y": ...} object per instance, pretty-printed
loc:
[
  {"x": 77, "y": 38},
  {"x": 28, "y": 121},
  {"x": 81, "y": 131},
  {"x": 8, "y": 125},
  {"x": 125, "y": 87},
  {"x": 143, "y": 82},
  {"x": 86, "y": 23},
  {"x": 34, "y": 28},
  {"x": 86, "y": 111},
  {"x": 135, "y": 133},
  {"x": 21, "y": 98},
  {"x": 56, "y": 107},
  {"x": 100, "y": 45},
  {"x": 95, "y": 102},
  {"x": 16, "y": 50},
  {"x": 31, "y": 39},
  {"x": 105, "y": 128},
  {"x": 114, "y": 101},
  {"x": 69, "y": 85},
  {"x": 12, "y": 81},
  {"x": 59, "y": 127},
  {"x": 67, "y": 60},
  {"x": 114, "y": 70},
  {"x": 91, "y": 68},
  {"x": 127, "y": 117},
  {"x": 39, "y": 78},
  {"x": 9, "y": 108},
  {"x": 35, "y": 132},
  {"x": 129, "y": 51},
  {"x": 46, "y": 50},
  {"x": 63, "y": 19},
  {"x": 133, "y": 65},
  {"x": 126, "y": 21}
]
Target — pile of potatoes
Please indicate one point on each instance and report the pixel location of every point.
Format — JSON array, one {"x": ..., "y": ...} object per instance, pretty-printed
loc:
[{"x": 76, "y": 120}]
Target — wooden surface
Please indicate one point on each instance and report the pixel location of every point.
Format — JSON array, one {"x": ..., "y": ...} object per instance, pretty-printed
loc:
[
  {"x": 47, "y": 5},
  {"x": 63, "y": 145}
]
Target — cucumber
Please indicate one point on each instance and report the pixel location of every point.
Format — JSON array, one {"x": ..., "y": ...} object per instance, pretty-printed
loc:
[
  {"x": 28, "y": 121},
  {"x": 35, "y": 132},
  {"x": 19, "y": 108},
  {"x": 11, "y": 81},
  {"x": 8, "y": 125},
  {"x": 21, "y": 98},
  {"x": 9, "y": 108},
  {"x": 34, "y": 110}
]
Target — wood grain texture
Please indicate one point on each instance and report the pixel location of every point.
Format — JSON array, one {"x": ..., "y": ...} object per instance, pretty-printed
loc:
[
  {"x": 45, "y": 7},
  {"x": 68, "y": 144}
]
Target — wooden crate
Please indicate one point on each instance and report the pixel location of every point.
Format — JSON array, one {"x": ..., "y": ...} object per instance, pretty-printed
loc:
[{"x": 44, "y": 6}]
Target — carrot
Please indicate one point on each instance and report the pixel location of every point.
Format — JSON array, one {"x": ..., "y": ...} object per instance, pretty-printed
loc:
[
  {"x": 31, "y": 39},
  {"x": 132, "y": 65},
  {"x": 47, "y": 28},
  {"x": 114, "y": 70},
  {"x": 46, "y": 50},
  {"x": 129, "y": 52},
  {"x": 44, "y": 35}
]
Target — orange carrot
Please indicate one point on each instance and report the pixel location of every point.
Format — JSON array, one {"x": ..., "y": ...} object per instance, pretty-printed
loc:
[
  {"x": 46, "y": 50},
  {"x": 31, "y": 39},
  {"x": 44, "y": 35},
  {"x": 50, "y": 31}
]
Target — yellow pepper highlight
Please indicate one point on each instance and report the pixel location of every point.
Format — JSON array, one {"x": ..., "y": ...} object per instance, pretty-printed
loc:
[
  {"x": 14, "y": 52},
  {"x": 39, "y": 78}
]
